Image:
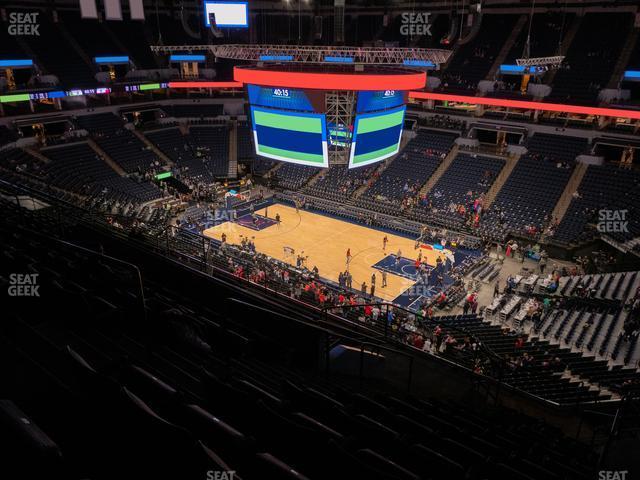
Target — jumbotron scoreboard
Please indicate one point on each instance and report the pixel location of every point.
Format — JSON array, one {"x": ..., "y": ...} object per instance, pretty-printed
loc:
[{"x": 295, "y": 125}]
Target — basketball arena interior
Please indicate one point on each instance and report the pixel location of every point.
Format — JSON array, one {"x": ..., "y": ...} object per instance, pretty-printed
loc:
[{"x": 320, "y": 239}]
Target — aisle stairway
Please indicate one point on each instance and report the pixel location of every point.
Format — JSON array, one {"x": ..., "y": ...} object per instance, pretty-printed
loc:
[
  {"x": 446, "y": 163},
  {"x": 511, "y": 162}
]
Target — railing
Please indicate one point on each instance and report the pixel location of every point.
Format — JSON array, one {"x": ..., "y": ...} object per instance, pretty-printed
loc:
[{"x": 483, "y": 352}]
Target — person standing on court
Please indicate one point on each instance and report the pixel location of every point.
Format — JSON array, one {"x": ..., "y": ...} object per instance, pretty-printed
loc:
[
  {"x": 363, "y": 288},
  {"x": 348, "y": 255},
  {"x": 278, "y": 219},
  {"x": 384, "y": 278},
  {"x": 385, "y": 240}
]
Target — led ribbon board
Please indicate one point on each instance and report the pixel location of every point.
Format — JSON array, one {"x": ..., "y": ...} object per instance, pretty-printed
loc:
[
  {"x": 290, "y": 136},
  {"x": 227, "y": 14},
  {"x": 632, "y": 75},
  {"x": 376, "y": 136},
  {"x": 25, "y": 63}
]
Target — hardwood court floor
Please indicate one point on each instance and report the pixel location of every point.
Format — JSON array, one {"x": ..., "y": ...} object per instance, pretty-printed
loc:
[{"x": 325, "y": 241}]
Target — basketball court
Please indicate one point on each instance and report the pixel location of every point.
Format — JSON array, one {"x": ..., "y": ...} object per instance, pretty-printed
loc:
[{"x": 324, "y": 241}]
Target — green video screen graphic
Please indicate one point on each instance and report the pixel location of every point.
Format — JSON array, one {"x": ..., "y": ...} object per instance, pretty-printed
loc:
[
  {"x": 290, "y": 136},
  {"x": 376, "y": 136}
]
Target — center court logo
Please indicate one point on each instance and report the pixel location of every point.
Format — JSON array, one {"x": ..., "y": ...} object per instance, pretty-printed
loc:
[
  {"x": 23, "y": 285},
  {"x": 415, "y": 23},
  {"x": 24, "y": 24}
]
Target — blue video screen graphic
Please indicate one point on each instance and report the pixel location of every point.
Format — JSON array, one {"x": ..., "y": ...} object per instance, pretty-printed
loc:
[
  {"x": 290, "y": 136},
  {"x": 376, "y": 136}
]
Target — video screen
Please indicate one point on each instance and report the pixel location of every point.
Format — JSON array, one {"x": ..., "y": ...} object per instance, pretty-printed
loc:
[
  {"x": 376, "y": 136},
  {"x": 227, "y": 14},
  {"x": 340, "y": 135},
  {"x": 290, "y": 136},
  {"x": 380, "y": 100}
]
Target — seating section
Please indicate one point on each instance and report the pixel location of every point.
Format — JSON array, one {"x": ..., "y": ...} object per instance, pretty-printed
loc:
[
  {"x": 535, "y": 366},
  {"x": 526, "y": 200},
  {"x": 621, "y": 287},
  {"x": 174, "y": 33},
  {"x": 473, "y": 60},
  {"x": 598, "y": 333},
  {"x": 556, "y": 148},
  {"x": 6, "y": 135},
  {"x": 261, "y": 165},
  {"x": 129, "y": 152},
  {"x": 135, "y": 36},
  {"x": 57, "y": 56},
  {"x": 91, "y": 34},
  {"x": 407, "y": 173},
  {"x": 592, "y": 56},
  {"x": 339, "y": 183},
  {"x": 180, "y": 150},
  {"x": 633, "y": 87},
  {"x": 466, "y": 181},
  {"x": 246, "y": 150},
  {"x": 547, "y": 30},
  {"x": 78, "y": 168},
  {"x": 607, "y": 196},
  {"x": 204, "y": 399},
  {"x": 99, "y": 124},
  {"x": 193, "y": 110},
  {"x": 120, "y": 144},
  {"x": 212, "y": 143},
  {"x": 292, "y": 176}
]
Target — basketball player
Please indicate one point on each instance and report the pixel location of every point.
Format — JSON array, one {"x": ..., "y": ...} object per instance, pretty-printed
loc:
[
  {"x": 385, "y": 240},
  {"x": 278, "y": 219},
  {"x": 384, "y": 278},
  {"x": 348, "y": 255}
]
